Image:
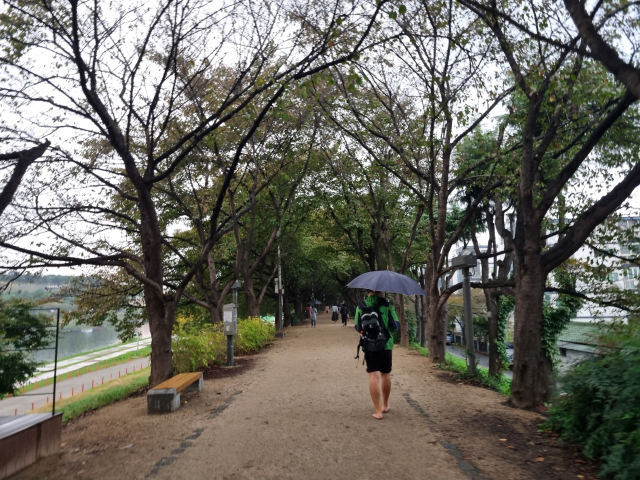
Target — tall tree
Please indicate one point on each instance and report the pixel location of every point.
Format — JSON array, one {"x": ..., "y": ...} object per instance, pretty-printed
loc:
[
  {"x": 426, "y": 92},
  {"x": 124, "y": 94},
  {"x": 569, "y": 108}
]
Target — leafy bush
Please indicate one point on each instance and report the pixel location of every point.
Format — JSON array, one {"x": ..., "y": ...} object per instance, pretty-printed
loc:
[
  {"x": 599, "y": 406},
  {"x": 195, "y": 348},
  {"x": 253, "y": 334}
]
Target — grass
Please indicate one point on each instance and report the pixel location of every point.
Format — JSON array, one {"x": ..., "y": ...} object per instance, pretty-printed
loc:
[
  {"x": 100, "y": 396},
  {"x": 97, "y": 350},
  {"x": 143, "y": 352},
  {"x": 500, "y": 384}
]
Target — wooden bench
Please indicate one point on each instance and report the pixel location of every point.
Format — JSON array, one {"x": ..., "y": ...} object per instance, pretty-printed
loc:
[{"x": 166, "y": 396}]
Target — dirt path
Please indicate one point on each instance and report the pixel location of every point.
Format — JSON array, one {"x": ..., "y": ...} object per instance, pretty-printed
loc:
[{"x": 303, "y": 412}]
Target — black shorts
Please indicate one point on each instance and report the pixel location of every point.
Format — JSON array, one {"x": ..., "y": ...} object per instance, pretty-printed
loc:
[{"x": 378, "y": 361}]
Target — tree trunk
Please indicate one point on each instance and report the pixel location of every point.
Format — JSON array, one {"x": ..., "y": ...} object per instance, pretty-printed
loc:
[
  {"x": 278, "y": 312},
  {"x": 530, "y": 386},
  {"x": 423, "y": 322},
  {"x": 435, "y": 328},
  {"x": 287, "y": 310},
  {"x": 161, "y": 319},
  {"x": 404, "y": 326},
  {"x": 418, "y": 304},
  {"x": 252, "y": 302},
  {"x": 444, "y": 315},
  {"x": 495, "y": 366},
  {"x": 214, "y": 313},
  {"x": 161, "y": 314}
]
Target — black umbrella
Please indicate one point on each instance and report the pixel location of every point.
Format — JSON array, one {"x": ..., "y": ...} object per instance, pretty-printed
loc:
[{"x": 387, "y": 281}]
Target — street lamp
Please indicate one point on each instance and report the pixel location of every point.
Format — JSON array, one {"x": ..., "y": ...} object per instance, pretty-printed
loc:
[
  {"x": 465, "y": 262},
  {"x": 235, "y": 287}
]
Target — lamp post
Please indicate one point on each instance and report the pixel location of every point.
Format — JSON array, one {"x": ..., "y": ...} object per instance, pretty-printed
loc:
[
  {"x": 465, "y": 262},
  {"x": 230, "y": 321},
  {"x": 234, "y": 288}
]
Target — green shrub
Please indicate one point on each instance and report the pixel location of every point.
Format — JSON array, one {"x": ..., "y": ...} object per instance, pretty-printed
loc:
[
  {"x": 253, "y": 334},
  {"x": 195, "y": 348},
  {"x": 296, "y": 320},
  {"x": 598, "y": 406}
]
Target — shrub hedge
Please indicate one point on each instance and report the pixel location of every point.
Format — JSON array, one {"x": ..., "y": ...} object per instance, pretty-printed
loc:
[
  {"x": 598, "y": 406},
  {"x": 196, "y": 346}
]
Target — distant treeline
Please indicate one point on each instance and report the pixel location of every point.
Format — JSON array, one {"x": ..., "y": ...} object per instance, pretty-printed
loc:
[{"x": 39, "y": 279}]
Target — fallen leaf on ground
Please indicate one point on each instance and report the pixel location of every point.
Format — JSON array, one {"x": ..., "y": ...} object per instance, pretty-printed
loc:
[
  {"x": 539, "y": 459},
  {"x": 503, "y": 439},
  {"x": 126, "y": 446}
]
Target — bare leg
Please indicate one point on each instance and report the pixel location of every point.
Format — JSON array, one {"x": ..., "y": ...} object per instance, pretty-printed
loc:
[
  {"x": 386, "y": 391},
  {"x": 374, "y": 390}
]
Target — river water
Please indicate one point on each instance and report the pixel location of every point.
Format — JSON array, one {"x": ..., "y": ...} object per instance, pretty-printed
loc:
[{"x": 75, "y": 339}]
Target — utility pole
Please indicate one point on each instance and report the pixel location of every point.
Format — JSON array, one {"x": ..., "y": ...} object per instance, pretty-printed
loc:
[
  {"x": 280, "y": 285},
  {"x": 465, "y": 262}
]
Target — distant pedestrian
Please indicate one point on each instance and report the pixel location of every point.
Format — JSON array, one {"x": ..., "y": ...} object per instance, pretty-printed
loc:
[
  {"x": 373, "y": 320},
  {"x": 313, "y": 312},
  {"x": 326, "y": 309},
  {"x": 307, "y": 310},
  {"x": 344, "y": 311},
  {"x": 334, "y": 315}
]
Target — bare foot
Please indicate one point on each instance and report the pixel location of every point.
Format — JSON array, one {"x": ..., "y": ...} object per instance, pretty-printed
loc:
[
  {"x": 377, "y": 415},
  {"x": 386, "y": 409}
]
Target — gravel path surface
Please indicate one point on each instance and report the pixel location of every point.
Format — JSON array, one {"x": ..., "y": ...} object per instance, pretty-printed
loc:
[{"x": 301, "y": 410}]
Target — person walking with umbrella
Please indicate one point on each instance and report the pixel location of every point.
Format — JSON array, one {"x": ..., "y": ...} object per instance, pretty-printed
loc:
[
  {"x": 378, "y": 362},
  {"x": 374, "y": 319}
]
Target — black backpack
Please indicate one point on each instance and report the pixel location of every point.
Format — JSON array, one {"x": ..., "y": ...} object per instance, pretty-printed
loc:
[
  {"x": 345, "y": 310},
  {"x": 373, "y": 334}
]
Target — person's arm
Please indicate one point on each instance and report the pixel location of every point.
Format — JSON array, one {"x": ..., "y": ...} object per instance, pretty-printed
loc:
[{"x": 394, "y": 323}]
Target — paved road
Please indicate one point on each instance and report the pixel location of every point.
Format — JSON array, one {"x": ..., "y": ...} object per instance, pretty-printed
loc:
[
  {"x": 81, "y": 361},
  {"x": 483, "y": 359},
  {"x": 64, "y": 389}
]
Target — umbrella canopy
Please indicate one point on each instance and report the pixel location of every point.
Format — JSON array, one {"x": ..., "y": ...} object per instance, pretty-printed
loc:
[
  {"x": 315, "y": 302},
  {"x": 387, "y": 281}
]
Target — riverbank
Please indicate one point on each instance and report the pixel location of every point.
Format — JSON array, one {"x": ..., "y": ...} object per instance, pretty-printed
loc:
[
  {"x": 75, "y": 384},
  {"x": 101, "y": 396}
]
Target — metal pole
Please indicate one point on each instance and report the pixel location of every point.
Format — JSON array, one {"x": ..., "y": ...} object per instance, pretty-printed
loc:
[
  {"x": 55, "y": 363},
  {"x": 468, "y": 321},
  {"x": 281, "y": 319},
  {"x": 230, "y": 361},
  {"x": 235, "y": 297}
]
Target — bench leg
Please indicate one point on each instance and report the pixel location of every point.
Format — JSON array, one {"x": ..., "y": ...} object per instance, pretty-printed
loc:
[
  {"x": 163, "y": 400},
  {"x": 195, "y": 386}
]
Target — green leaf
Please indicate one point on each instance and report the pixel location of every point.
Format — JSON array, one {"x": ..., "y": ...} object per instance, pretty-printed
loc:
[
  {"x": 402, "y": 9},
  {"x": 393, "y": 15}
]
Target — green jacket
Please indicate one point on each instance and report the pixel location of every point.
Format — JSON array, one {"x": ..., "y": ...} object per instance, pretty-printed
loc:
[{"x": 391, "y": 323}]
